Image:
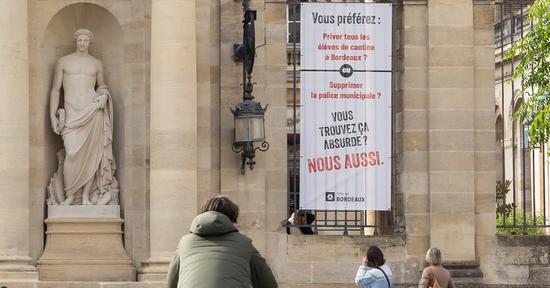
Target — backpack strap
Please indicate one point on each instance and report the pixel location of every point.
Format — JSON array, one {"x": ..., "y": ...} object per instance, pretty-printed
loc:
[
  {"x": 387, "y": 279},
  {"x": 434, "y": 279}
]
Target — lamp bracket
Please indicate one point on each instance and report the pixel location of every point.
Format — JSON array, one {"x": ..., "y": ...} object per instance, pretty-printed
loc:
[{"x": 248, "y": 151}]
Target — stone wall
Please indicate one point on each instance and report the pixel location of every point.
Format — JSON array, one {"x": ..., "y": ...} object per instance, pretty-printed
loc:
[
  {"x": 315, "y": 260},
  {"x": 523, "y": 259}
]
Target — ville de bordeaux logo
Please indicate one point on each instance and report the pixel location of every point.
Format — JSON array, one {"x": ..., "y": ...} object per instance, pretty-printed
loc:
[
  {"x": 330, "y": 196},
  {"x": 342, "y": 197}
]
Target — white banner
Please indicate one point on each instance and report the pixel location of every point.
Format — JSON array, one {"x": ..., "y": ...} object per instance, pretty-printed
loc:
[{"x": 345, "y": 90}]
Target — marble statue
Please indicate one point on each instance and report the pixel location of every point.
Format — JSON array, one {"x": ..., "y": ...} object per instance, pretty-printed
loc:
[{"x": 86, "y": 165}]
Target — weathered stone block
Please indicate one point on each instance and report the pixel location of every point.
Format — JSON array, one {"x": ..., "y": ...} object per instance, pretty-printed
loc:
[
  {"x": 414, "y": 141},
  {"x": 485, "y": 161},
  {"x": 452, "y": 77},
  {"x": 452, "y": 161},
  {"x": 485, "y": 140},
  {"x": 485, "y": 58},
  {"x": 539, "y": 274},
  {"x": 456, "y": 181},
  {"x": 416, "y": 119},
  {"x": 485, "y": 181},
  {"x": 451, "y": 35},
  {"x": 415, "y": 15},
  {"x": 485, "y": 223},
  {"x": 448, "y": 140},
  {"x": 417, "y": 224},
  {"x": 414, "y": 182},
  {"x": 451, "y": 202},
  {"x": 415, "y": 98},
  {"x": 416, "y": 203},
  {"x": 414, "y": 78},
  {"x": 483, "y": 16},
  {"x": 450, "y": 56},
  {"x": 523, "y": 255},
  {"x": 415, "y": 161},
  {"x": 454, "y": 234},
  {"x": 415, "y": 36},
  {"x": 452, "y": 119},
  {"x": 349, "y": 253},
  {"x": 444, "y": 12},
  {"x": 485, "y": 202},
  {"x": 329, "y": 273},
  {"x": 451, "y": 98},
  {"x": 483, "y": 75}
]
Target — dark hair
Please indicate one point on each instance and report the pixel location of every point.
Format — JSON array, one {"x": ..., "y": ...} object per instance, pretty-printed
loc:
[
  {"x": 309, "y": 218},
  {"x": 375, "y": 257},
  {"x": 222, "y": 204}
]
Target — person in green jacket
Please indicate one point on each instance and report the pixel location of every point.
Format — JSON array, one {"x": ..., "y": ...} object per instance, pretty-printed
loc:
[{"x": 214, "y": 254}]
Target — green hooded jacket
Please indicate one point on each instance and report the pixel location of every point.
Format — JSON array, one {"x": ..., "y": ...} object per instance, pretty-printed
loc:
[{"x": 216, "y": 255}]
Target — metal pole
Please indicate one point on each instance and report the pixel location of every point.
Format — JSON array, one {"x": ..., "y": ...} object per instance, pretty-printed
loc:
[
  {"x": 533, "y": 186},
  {"x": 502, "y": 102},
  {"x": 524, "y": 204},
  {"x": 392, "y": 212},
  {"x": 245, "y": 7},
  {"x": 514, "y": 149},
  {"x": 543, "y": 155},
  {"x": 532, "y": 172},
  {"x": 294, "y": 136}
]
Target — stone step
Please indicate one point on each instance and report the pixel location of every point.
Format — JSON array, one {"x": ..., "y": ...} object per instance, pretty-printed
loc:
[
  {"x": 465, "y": 272},
  {"x": 75, "y": 284},
  {"x": 415, "y": 285}
]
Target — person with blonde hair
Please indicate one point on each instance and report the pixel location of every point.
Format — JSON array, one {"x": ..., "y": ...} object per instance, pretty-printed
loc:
[
  {"x": 214, "y": 254},
  {"x": 435, "y": 275}
]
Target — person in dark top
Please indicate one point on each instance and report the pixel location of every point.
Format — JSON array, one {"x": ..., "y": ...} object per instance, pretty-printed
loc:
[
  {"x": 300, "y": 218},
  {"x": 214, "y": 254}
]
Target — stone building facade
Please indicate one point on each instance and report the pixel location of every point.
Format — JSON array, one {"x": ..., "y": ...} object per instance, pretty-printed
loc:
[
  {"x": 523, "y": 164},
  {"x": 169, "y": 66}
]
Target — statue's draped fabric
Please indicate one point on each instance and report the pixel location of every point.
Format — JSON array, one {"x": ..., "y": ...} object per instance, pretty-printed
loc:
[{"x": 89, "y": 156}]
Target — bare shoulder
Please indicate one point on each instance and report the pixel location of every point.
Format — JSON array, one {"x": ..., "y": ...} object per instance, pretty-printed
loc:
[
  {"x": 96, "y": 61},
  {"x": 61, "y": 61}
]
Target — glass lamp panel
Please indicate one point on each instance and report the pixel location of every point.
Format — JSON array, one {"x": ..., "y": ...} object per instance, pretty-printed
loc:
[
  {"x": 257, "y": 131},
  {"x": 241, "y": 130},
  {"x": 249, "y": 129}
]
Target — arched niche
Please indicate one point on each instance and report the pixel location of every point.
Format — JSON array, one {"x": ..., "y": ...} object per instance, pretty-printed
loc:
[
  {"x": 57, "y": 41},
  {"x": 107, "y": 46}
]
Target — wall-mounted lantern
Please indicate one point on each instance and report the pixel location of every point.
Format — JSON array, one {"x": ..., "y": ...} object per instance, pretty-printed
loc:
[{"x": 249, "y": 114}]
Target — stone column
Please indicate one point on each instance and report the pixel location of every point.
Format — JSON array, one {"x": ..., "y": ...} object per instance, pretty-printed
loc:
[
  {"x": 486, "y": 241},
  {"x": 452, "y": 131},
  {"x": 173, "y": 195},
  {"x": 15, "y": 262},
  {"x": 414, "y": 169}
]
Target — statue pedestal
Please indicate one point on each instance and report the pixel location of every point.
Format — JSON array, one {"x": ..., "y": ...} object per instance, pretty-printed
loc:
[{"x": 84, "y": 243}]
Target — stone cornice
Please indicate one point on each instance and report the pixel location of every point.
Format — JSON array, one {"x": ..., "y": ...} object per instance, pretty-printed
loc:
[
  {"x": 425, "y": 2},
  {"x": 484, "y": 2},
  {"x": 415, "y": 2}
]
